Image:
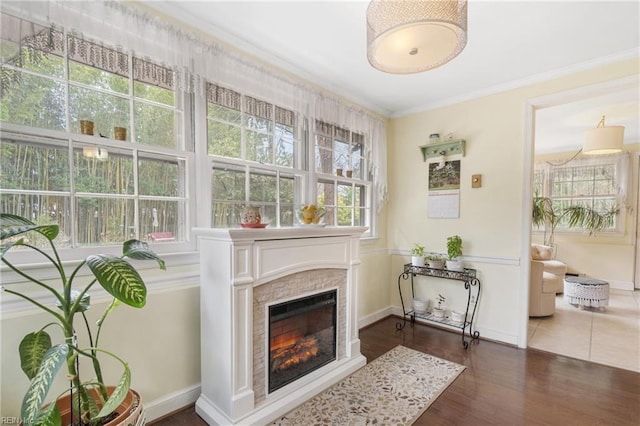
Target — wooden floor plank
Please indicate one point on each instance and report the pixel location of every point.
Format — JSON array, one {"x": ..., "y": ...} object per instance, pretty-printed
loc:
[{"x": 502, "y": 385}]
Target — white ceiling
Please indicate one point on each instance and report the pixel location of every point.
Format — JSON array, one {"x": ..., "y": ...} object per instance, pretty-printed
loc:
[{"x": 510, "y": 43}]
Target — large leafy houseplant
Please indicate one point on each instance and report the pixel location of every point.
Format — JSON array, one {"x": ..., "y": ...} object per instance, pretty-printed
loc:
[
  {"x": 40, "y": 359},
  {"x": 548, "y": 216}
]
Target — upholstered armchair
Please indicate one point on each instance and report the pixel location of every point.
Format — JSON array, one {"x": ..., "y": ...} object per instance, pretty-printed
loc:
[
  {"x": 542, "y": 292},
  {"x": 553, "y": 270}
]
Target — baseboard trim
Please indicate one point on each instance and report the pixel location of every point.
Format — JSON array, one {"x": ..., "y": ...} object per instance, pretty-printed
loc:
[
  {"x": 621, "y": 285},
  {"x": 367, "y": 320},
  {"x": 485, "y": 333},
  {"x": 171, "y": 403}
]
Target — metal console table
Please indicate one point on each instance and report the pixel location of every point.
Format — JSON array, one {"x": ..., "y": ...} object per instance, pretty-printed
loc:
[{"x": 471, "y": 284}]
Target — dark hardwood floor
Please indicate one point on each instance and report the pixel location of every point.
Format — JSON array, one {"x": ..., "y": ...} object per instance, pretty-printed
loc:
[{"x": 503, "y": 385}]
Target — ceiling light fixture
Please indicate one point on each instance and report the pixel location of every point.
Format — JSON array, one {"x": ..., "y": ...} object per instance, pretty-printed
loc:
[
  {"x": 603, "y": 139},
  {"x": 600, "y": 140},
  {"x": 410, "y": 36}
]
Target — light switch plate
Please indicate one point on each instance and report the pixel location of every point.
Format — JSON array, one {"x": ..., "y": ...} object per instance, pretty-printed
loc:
[{"x": 476, "y": 181}]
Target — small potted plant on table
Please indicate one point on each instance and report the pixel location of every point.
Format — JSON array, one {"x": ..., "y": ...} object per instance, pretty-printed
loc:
[
  {"x": 435, "y": 261},
  {"x": 438, "y": 311},
  {"x": 94, "y": 403},
  {"x": 454, "y": 251},
  {"x": 417, "y": 255}
]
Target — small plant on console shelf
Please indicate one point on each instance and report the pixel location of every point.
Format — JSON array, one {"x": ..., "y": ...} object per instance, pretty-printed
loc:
[
  {"x": 417, "y": 255},
  {"x": 438, "y": 311},
  {"x": 435, "y": 261},
  {"x": 454, "y": 251}
]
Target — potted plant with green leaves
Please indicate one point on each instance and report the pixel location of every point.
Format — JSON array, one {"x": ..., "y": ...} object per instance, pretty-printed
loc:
[
  {"x": 435, "y": 261},
  {"x": 454, "y": 251},
  {"x": 547, "y": 216},
  {"x": 417, "y": 255},
  {"x": 94, "y": 402},
  {"x": 438, "y": 311}
]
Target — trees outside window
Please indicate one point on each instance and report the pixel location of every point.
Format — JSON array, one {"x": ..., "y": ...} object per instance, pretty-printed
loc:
[
  {"x": 99, "y": 190},
  {"x": 345, "y": 197},
  {"x": 255, "y": 149},
  {"x": 102, "y": 189}
]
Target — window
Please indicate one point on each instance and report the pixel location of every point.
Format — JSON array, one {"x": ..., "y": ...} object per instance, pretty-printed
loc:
[
  {"x": 256, "y": 157},
  {"x": 101, "y": 191},
  {"x": 345, "y": 194},
  {"x": 596, "y": 183}
]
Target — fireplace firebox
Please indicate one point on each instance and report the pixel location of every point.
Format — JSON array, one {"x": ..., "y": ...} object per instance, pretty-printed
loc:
[{"x": 302, "y": 337}]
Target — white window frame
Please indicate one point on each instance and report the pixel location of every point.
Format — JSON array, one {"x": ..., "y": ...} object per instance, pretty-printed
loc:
[
  {"x": 320, "y": 177},
  {"x": 182, "y": 152},
  {"x": 297, "y": 171},
  {"x": 620, "y": 162}
]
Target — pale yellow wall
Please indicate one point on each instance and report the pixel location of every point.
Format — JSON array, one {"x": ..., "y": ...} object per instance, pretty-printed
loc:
[
  {"x": 373, "y": 288},
  {"x": 491, "y": 216}
]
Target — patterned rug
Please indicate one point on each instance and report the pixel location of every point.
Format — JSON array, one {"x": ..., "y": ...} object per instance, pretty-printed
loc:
[{"x": 394, "y": 389}]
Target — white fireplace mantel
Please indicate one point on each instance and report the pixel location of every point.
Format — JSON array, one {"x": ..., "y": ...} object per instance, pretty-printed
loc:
[{"x": 233, "y": 262}]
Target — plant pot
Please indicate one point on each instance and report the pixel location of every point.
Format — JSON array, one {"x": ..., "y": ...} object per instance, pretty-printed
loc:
[
  {"x": 435, "y": 264},
  {"x": 417, "y": 261},
  {"x": 130, "y": 412},
  {"x": 420, "y": 305},
  {"x": 455, "y": 265},
  {"x": 457, "y": 316},
  {"x": 438, "y": 312}
]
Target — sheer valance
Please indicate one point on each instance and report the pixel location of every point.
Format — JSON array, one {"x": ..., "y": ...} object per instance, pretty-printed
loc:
[
  {"x": 187, "y": 62},
  {"x": 600, "y": 166}
]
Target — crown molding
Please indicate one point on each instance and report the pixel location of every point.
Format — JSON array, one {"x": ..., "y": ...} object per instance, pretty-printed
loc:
[{"x": 515, "y": 84}]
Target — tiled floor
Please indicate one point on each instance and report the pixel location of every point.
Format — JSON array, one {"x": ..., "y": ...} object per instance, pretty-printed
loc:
[{"x": 610, "y": 337}]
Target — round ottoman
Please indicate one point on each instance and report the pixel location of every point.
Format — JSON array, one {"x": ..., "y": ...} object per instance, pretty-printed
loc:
[{"x": 586, "y": 292}]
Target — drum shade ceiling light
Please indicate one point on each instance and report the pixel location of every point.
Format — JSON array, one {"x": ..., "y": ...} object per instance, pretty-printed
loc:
[
  {"x": 603, "y": 139},
  {"x": 411, "y": 36},
  {"x": 600, "y": 140}
]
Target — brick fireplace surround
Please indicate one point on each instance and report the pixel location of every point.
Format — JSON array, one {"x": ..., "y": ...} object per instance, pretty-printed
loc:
[{"x": 242, "y": 272}]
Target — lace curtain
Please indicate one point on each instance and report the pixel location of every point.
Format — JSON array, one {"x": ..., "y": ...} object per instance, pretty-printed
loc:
[
  {"x": 621, "y": 162},
  {"x": 196, "y": 62}
]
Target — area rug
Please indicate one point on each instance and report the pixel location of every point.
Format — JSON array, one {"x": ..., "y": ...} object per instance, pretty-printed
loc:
[{"x": 394, "y": 389}]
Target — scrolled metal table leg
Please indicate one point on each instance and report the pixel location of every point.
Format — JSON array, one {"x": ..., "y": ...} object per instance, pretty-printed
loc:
[{"x": 401, "y": 325}]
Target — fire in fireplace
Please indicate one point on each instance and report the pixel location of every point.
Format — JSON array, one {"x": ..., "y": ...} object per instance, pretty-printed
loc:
[{"x": 302, "y": 337}]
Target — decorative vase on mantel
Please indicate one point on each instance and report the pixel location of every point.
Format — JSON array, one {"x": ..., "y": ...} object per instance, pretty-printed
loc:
[{"x": 251, "y": 215}]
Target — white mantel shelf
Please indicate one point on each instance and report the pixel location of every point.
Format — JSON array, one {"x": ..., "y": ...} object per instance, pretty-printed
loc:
[
  {"x": 233, "y": 264},
  {"x": 257, "y": 234}
]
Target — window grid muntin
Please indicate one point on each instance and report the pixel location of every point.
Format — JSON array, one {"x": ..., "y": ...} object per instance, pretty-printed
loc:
[
  {"x": 72, "y": 144},
  {"x": 75, "y": 195},
  {"x": 329, "y": 186},
  {"x": 132, "y": 74},
  {"x": 259, "y": 123},
  {"x": 244, "y": 119},
  {"x": 277, "y": 209},
  {"x": 345, "y": 148}
]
